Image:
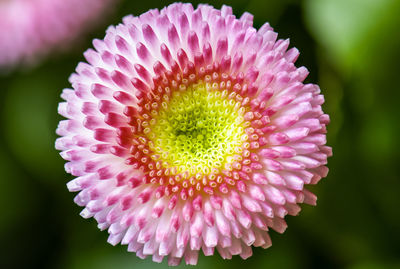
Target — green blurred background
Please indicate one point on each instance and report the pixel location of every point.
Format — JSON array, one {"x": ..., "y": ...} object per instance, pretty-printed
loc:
[{"x": 352, "y": 49}]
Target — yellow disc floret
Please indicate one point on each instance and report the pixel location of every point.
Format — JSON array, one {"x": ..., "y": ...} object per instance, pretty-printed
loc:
[{"x": 197, "y": 129}]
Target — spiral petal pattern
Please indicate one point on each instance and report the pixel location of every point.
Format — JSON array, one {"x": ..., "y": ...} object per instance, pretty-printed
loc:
[{"x": 187, "y": 129}]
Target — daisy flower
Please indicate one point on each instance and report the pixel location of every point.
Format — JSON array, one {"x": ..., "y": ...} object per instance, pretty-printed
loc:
[
  {"x": 189, "y": 130},
  {"x": 31, "y": 28}
]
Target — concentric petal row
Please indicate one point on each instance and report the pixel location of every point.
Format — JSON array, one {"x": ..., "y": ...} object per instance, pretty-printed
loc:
[{"x": 151, "y": 56}]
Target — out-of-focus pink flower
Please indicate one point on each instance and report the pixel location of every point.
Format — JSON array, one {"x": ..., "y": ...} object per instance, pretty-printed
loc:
[
  {"x": 190, "y": 130},
  {"x": 32, "y": 28}
]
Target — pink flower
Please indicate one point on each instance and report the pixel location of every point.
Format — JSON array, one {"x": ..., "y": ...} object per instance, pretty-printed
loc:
[
  {"x": 31, "y": 28},
  {"x": 189, "y": 129}
]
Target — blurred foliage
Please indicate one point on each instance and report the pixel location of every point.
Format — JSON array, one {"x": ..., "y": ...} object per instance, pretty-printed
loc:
[{"x": 351, "y": 48}]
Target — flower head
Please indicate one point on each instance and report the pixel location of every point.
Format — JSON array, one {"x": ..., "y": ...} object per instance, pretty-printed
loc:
[
  {"x": 189, "y": 129},
  {"x": 30, "y": 29}
]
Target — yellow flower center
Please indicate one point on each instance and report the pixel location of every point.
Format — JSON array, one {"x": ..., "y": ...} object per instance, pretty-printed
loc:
[{"x": 197, "y": 129}]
